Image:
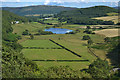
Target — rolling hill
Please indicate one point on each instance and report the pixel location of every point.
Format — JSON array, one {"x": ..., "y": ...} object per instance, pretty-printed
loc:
[
  {"x": 40, "y": 9},
  {"x": 83, "y": 15}
]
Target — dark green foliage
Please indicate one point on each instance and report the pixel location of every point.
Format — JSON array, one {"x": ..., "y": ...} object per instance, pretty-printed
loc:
[
  {"x": 73, "y": 32},
  {"x": 99, "y": 69},
  {"x": 90, "y": 42},
  {"x": 26, "y": 32},
  {"x": 7, "y": 18},
  {"x": 31, "y": 36},
  {"x": 86, "y": 37},
  {"x": 83, "y": 16},
  {"x": 13, "y": 64},
  {"x": 112, "y": 48},
  {"x": 40, "y": 32},
  {"x": 107, "y": 39},
  {"x": 62, "y": 72},
  {"x": 88, "y": 27}
]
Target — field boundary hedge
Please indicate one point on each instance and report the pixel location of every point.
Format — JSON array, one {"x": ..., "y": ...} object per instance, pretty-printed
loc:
[
  {"x": 92, "y": 53},
  {"x": 64, "y": 48},
  {"x": 62, "y": 60},
  {"x": 41, "y": 48}
]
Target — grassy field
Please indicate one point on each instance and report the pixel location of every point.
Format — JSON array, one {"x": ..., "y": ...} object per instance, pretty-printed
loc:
[
  {"x": 73, "y": 42},
  {"x": 108, "y": 32},
  {"x": 32, "y": 27},
  {"x": 39, "y": 43},
  {"x": 52, "y": 54},
  {"x": 53, "y": 21},
  {"x": 109, "y": 18}
]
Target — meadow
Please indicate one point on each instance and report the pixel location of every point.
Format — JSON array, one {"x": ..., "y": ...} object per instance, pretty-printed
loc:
[
  {"x": 108, "y": 32},
  {"x": 51, "y": 54},
  {"x": 108, "y": 18}
]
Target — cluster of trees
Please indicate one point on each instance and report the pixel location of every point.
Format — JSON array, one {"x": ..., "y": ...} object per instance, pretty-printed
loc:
[
  {"x": 84, "y": 16},
  {"x": 41, "y": 32},
  {"x": 14, "y": 64},
  {"x": 26, "y": 32},
  {"x": 88, "y": 31}
]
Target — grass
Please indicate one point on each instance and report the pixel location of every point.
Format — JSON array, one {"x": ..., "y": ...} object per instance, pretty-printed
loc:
[
  {"x": 52, "y": 54},
  {"x": 73, "y": 42},
  {"x": 109, "y": 18},
  {"x": 108, "y": 32},
  {"x": 53, "y": 21},
  {"x": 32, "y": 27},
  {"x": 112, "y": 14},
  {"x": 39, "y": 43}
]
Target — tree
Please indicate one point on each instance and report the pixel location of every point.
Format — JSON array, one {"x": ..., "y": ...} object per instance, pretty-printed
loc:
[
  {"x": 86, "y": 37},
  {"x": 88, "y": 27},
  {"x": 31, "y": 36},
  {"x": 99, "y": 69},
  {"x": 107, "y": 39},
  {"x": 26, "y": 32},
  {"x": 90, "y": 41}
]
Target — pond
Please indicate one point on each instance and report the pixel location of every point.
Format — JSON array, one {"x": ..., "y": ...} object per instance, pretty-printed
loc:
[{"x": 59, "y": 30}]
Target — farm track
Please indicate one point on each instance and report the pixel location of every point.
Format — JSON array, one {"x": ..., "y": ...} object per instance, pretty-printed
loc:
[{"x": 65, "y": 48}]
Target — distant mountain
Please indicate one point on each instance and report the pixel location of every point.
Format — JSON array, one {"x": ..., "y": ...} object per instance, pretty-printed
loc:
[
  {"x": 40, "y": 9},
  {"x": 62, "y": 3},
  {"x": 115, "y": 7},
  {"x": 84, "y": 15}
]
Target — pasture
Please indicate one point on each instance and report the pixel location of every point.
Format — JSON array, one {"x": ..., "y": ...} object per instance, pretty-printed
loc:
[
  {"x": 108, "y": 18},
  {"x": 51, "y": 54},
  {"x": 108, "y": 32},
  {"x": 31, "y": 27}
]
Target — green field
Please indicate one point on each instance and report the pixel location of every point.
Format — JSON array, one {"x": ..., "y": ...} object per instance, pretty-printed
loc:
[
  {"x": 39, "y": 43},
  {"x": 32, "y": 27},
  {"x": 73, "y": 42},
  {"x": 52, "y": 21},
  {"x": 52, "y": 54}
]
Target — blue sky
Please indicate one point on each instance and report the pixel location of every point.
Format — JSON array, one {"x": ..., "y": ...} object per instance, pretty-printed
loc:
[
  {"x": 78, "y": 3},
  {"x": 59, "y": 0}
]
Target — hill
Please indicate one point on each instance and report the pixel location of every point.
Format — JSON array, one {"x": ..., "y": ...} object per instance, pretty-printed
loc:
[
  {"x": 40, "y": 9},
  {"x": 83, "y": 15}
]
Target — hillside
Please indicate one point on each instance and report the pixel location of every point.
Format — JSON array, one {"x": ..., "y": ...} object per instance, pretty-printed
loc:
[
  {"x": 40, "y": 9},
  {"x": 84, "y": 15}
]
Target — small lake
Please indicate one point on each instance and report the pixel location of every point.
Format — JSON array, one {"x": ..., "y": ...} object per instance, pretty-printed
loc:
[{"x": 59, "y": 30}]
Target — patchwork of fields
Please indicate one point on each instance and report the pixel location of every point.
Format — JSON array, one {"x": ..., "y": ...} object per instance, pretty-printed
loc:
[
  {"x": 46, "y": 53},
  {"x": 50, "y": 55}
]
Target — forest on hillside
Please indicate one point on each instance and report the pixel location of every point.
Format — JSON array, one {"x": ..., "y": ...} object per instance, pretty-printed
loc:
[{"x": 83, "y": 16}]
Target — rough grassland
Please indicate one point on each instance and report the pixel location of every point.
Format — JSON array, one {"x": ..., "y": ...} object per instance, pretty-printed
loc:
[
  {"x": 108, "y": 32},
  {"x": 109, "y": 18}
]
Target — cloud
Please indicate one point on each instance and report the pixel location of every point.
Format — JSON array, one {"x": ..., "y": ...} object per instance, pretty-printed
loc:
[
  {"x": 47, "y": 2},
  {"x": 82, "y": 0},
  {"x": 2, "y": 0},
  {"x": 103, "y": 1},
  {"x": 17, "y": 0}
]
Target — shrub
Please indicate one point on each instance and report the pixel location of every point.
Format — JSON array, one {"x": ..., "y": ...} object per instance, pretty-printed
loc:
[{"x": 86, "y": 37}]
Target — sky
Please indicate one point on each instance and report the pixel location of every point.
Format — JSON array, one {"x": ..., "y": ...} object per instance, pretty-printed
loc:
[
  {"x": 78, "y": 3},
  {"x": 60, "y": 1}
]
